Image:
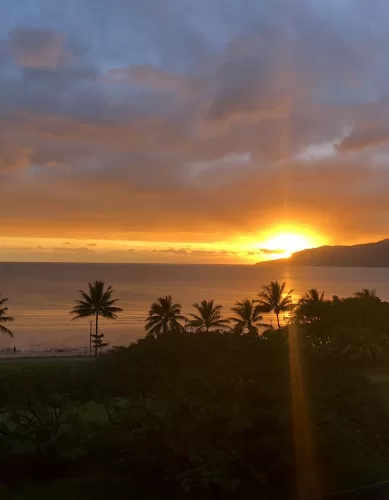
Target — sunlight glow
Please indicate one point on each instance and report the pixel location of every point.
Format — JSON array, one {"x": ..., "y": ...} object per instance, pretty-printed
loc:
[
  {"x": 285, "y": 242},
  {"x": 274, "y": 243},
  {"x": 288, "y": 242},
  {"x": 308, "y": 485}
]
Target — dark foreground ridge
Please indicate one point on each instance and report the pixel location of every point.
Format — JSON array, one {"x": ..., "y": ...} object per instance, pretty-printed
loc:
[{"x": 365, "y": 255}]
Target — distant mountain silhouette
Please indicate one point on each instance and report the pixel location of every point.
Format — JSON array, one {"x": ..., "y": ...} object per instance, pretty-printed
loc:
[{"x": 365, "y": 255}]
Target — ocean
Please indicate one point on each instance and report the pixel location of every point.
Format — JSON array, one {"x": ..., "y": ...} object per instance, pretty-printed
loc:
[{"x": 41, "y": 295}]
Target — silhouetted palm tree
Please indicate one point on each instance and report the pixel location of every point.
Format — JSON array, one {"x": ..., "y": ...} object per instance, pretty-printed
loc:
[
  {"x": 247, "y": 315},
  {"x": 209, "y": 316},
  {"x": 274, "y": 298},
  {"x": 99, "y": 302},
  {"x": 365, "y": 293},
  {"x": 164, "y": 316},
  {"x": 313, "y": 295},
  {"x": 4, "y": 318},
  {"x": 311, "y": 307}
]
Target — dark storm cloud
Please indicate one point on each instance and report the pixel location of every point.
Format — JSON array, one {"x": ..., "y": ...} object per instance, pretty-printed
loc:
[{"x": 163, "y": 117}]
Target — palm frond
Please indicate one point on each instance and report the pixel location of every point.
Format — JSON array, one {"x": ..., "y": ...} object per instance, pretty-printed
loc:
[
  {"x": 3, "y": 329},
  {"x": 4, "y": 318},
  {"x": 97, "y": 302},
  {"x": 209, "y": 315},
  {"x": 163, "y": 316},
  {"x": 3, "y": 300},
  {"x": 274, "y": 298}
]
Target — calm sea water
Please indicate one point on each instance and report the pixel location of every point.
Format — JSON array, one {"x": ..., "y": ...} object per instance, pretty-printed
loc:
[{"x": 41, "y": 295}]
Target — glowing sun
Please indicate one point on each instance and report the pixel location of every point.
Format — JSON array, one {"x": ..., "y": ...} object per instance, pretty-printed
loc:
[{"x": 286, "y": 243}]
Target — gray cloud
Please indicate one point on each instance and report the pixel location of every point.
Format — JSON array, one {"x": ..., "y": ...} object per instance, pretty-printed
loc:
[
  {"x": 70, "y": 250},
  {"x": 37, "y": 47},
  {"x": 188, "y": 252},
  {"x": 365, "y": 137},
  {"x": 266, "y": 251},
  {"x": 175, "y": 251},
  {"x": 147, "y": 77}
]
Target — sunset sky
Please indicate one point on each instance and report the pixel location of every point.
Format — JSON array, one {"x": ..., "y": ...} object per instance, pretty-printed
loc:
[{"x": 209, "y": 131}]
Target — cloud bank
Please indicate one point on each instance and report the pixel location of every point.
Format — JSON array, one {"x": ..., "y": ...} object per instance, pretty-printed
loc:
[{"x": 193, "y": 121}]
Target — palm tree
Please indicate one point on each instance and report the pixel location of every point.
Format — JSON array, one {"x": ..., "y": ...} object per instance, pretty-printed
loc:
[
  {"x": 365, "y": 293},
  {"x": 4, "y": 318},
  {"x": 274, "y": 298},
  {"x": 209, "y": 316},
  {"x": 99, "y": 302},
  {"x": 164, "y": 316},
  {"x": 247, "y": 315},
  {"x": 313, "y": 295},
  {"x": 311, "y": 307}
]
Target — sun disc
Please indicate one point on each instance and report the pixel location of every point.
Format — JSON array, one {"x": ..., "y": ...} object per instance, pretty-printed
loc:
[{"x": 289, "y": 242}]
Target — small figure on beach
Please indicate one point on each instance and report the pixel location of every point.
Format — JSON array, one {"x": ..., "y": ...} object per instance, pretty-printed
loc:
[{"x": 14, "y": 349}]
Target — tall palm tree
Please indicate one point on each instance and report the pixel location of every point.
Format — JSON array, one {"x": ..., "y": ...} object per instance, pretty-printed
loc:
[
  {"x": 164, "y": 316},
  {"x": 274, "y": 298},
  {"x": 4, "y": 318},
  {"x": 98, "y": 302},
  {"x": 313, "y": 295},
  {"x": 247, "y": 315},
  {"x": 365, "y": 293},
  {"x": 209, "y": 316}
]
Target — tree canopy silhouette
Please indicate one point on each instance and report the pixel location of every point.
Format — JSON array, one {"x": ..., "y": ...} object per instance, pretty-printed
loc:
[
  {"x": 273, "y": 297},
  {"x": 365, "y": 293},
  {"x": 247, "y": 315},
  {"x": 4, "y": 318},
  {"x": 311, "y": 307},
  {"x": 209, "y": 316},
  {"x": 98, "y": 302},
  {"x": 313, "y": 295},
  {"x": 164, "y": 316}
]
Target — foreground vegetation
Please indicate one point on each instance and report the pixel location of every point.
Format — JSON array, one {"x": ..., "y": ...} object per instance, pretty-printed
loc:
[
  {"x": 191, "y": 416},
  {"x": 211, "y": 406}
]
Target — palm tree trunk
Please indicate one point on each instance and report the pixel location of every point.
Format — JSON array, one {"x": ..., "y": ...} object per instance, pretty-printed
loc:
[
  {"x": 90, "y": 338},
  {"x": 97, "y": 332},
  {"x": 278, "y": 320}
]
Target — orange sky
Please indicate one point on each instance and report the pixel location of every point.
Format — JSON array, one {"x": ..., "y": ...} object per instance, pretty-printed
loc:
[
  {"x": 219, "y": 133},
  {"x": 278, "y": 243}
]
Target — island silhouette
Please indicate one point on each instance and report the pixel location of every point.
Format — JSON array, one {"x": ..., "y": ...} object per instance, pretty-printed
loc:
[{"x": 363, "y": 255}]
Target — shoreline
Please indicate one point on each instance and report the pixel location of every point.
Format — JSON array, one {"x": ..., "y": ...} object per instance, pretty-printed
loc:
[{"x": 36, "y": 358}]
